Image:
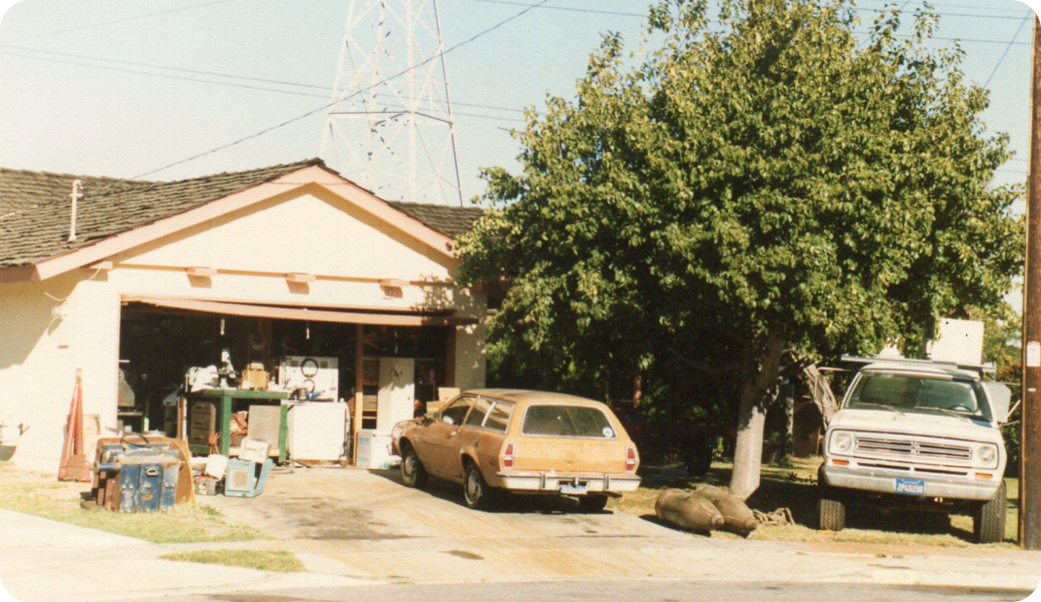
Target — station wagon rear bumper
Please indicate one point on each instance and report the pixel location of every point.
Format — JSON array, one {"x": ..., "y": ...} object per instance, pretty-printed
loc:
[{"x": 535, "y": 482}]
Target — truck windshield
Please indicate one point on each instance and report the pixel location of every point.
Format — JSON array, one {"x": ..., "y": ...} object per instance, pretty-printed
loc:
[{"x": 913, "y": 392}]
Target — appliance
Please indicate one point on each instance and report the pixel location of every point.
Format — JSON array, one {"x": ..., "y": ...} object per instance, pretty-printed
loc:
[
  {"x": 245, "y": 478},
  {"x": 317, "y": 430},
  {"x": 320, "y": 376},
  {"x": 397, "y": 392}
]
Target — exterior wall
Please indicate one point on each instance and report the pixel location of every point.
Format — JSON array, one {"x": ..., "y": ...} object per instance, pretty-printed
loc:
[
  {"x": 45, "y": 342},
  {"x": 311, "y": 232}
]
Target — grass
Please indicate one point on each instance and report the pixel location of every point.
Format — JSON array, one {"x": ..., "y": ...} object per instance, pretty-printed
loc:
[
  {"x": 278, "y": 561},
  {"x": 794, "y": 486},
  {"x": 35, "y": 494}
]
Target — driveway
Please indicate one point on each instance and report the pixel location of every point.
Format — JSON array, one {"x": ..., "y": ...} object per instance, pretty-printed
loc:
[{"x": 367, "y": 525}]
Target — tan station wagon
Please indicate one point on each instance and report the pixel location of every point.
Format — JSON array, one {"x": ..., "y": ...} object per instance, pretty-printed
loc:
[{"x": 523, "y": 442}]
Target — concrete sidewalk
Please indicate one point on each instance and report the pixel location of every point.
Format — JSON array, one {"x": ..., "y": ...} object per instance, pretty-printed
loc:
[{"x": 45, "y": 560}]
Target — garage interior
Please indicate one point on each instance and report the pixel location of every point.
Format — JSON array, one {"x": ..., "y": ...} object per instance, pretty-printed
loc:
[{"x": 340, "y": 385}]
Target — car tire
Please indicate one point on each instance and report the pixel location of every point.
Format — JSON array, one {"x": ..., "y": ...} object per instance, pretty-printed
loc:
[
  {"x": 413, "y": 473},
  {"x": 831, "y": 507},
  {"x": 476, "y": 493},
  {"x": 988, "y": 518},
  {"x": 593, "y": 503}
]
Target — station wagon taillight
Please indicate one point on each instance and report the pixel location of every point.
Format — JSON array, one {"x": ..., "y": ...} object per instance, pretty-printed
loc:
[
  {"x": 630, "y": 459},
  {"x": 507, "y": 455}
]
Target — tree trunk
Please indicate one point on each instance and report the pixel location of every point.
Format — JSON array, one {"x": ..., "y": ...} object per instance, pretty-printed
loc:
[{"x": 760, "y": 377}]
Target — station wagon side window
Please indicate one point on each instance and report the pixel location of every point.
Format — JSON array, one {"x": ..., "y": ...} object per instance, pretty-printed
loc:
[
  {"x": 476, "y": 417},
  {"x": 499, "y": 416},
  {"x": 456, "y": 411}
]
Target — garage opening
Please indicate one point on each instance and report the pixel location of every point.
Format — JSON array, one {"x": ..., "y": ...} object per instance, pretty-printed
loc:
[{"x": 316, "y": 384}]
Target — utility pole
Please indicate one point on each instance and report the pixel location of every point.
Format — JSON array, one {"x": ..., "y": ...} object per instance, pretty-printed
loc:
[{"x": 1030, "y": 429}]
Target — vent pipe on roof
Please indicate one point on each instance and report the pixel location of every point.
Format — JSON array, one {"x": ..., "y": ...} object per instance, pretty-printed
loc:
[{"x": 77, "y": 194}]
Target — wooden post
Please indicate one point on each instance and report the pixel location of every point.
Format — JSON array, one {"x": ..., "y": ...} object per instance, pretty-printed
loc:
[
  {"x": 1030, "y": 433},
  {"x": 359, "y": 383}
]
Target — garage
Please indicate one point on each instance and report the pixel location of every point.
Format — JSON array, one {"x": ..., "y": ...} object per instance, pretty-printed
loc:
[{"x": 289, "y": 285}]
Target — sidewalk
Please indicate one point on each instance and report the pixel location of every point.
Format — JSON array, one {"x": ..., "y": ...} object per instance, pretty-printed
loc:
[{"x": 43, "y": 560}]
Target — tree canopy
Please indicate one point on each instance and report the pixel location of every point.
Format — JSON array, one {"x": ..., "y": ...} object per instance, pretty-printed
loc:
[{"x": 760, "y": 184}]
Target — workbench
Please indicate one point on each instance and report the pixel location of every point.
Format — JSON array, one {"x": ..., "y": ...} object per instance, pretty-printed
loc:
[{"x": 225, "y": 399}]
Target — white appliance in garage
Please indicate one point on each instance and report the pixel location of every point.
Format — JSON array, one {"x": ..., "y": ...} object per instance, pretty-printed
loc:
[
  {"x": 397, "y": 392},
  {"x": 318, "y": 430},
  {"x": 315, "y": 374}
]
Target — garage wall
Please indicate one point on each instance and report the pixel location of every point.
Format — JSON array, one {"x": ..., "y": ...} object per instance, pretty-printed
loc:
[{"x": 45, "y": 340}]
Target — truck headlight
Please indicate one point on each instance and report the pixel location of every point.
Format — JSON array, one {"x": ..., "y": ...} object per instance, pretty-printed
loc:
[
  {"x": 841, "y": 442},
  {"x": 987, "y": 455}
]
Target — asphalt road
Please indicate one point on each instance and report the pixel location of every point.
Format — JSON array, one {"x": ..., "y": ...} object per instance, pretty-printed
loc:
[{"x": 628, "y": 591}]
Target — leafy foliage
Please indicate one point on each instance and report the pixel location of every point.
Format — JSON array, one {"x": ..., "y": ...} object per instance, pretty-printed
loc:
[{"x": 759, "y": 176}]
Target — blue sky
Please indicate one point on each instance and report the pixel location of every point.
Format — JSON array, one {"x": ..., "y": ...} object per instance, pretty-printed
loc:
[{"x": 62, "y": 110}]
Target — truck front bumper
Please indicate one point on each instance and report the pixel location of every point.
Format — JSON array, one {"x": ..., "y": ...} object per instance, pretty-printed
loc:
[
  {"x": 545, "y": 482},
  {"x": 884, "y": 481}
]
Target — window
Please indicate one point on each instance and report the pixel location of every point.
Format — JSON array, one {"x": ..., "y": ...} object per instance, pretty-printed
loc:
[
  {"x": 566, "y": 421},
  {"x": 455, "y": 412},
  {"x": 909, "y": 392},
  {"x": 499, "y": 417},
  {"x": 476, "y": 417}
]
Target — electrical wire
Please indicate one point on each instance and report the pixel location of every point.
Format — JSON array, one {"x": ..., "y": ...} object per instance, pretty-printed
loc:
[
  {"x": 1030, "y": 13},
  {"x": 125, "y": 19},
  {"x": 340, "y": 99}
]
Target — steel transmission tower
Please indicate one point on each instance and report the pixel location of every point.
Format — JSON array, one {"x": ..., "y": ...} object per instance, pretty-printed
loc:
[{"x": 390, "y": 126}]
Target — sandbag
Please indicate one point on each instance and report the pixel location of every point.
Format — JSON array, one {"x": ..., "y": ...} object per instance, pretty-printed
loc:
[
  {"x": 736, "y": 514},
  {"x": 687, "y": 511}
]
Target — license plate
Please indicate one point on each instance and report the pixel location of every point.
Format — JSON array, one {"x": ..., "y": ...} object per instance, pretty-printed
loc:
[
  {"x": 910, "y": 486},
  {"x": 573, "y": 488}
]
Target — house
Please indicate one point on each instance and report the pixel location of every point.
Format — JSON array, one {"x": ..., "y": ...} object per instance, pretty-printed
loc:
[{"x": 132, "y": 284}]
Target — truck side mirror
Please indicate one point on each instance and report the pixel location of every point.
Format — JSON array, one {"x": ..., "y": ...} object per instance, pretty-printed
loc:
[{"x": 1000, "y": 399}]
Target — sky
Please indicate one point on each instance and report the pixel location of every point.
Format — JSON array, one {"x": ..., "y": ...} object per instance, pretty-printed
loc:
[{"x": 124, "y": 88}]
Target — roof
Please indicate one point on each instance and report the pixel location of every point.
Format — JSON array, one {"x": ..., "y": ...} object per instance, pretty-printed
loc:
[
  {"x": 526, "y": 396},
  {"x": 450, "y": 221},
  {"x": 35, "y": 207},
  {"x": 920, "y": 368}
]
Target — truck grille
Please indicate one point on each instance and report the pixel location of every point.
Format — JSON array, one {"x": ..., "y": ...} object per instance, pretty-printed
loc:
[{"x": 911, "y": 448}]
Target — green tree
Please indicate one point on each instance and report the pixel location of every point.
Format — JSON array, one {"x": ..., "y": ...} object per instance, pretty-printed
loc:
[{"x": 760, "y": 190}]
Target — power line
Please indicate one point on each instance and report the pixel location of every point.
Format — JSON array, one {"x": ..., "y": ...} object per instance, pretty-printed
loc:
[
  {"x": 341, "y": 99},
  {"x": 1030, "y": 13},
  {"x": 125, "y": 19}
]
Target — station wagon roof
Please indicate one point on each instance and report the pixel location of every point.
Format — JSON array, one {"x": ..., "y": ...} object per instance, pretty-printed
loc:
[{"x": 523, "y": 396}]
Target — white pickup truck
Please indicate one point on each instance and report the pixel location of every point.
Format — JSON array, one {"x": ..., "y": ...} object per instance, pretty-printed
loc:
[{"x": 917, "y": 435}]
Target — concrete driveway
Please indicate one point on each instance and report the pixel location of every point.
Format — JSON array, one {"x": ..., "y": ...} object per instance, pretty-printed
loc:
[{"x": 368, "y": 526}]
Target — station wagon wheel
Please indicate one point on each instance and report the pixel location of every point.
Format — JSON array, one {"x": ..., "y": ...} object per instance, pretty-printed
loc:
[
  {"x": 593, "y": 503},
  {"x": 413, "y": 474},
  {"x": 475, "y": 489}
]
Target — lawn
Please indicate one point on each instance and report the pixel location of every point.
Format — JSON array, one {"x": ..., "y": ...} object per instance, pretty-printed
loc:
[
  {"x": 278, "y": 561},
  {"x": 44, "y": 496},
  {"x": 794, "y": 486}
]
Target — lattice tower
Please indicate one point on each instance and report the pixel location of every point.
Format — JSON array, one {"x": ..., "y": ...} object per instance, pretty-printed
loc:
[{"x": 390, "y": 128}]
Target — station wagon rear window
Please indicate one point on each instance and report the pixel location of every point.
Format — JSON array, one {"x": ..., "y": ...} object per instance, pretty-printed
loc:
[{"x": 566, "y": 421}]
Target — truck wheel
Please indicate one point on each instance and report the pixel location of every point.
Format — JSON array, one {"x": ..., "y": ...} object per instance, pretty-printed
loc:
[
  {"x": 831, "y": 508},
  {"x": 988, "y": 518}
]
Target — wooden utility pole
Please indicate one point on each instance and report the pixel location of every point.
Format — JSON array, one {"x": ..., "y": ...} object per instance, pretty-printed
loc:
[{"x": 1030, "y": 433}]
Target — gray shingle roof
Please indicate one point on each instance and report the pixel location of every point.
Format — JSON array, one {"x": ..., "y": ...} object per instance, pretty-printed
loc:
[{"x": 35, "y": 207}]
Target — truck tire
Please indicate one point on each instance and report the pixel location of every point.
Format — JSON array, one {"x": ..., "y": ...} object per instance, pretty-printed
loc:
[
  {"x": 831, "y": 507},
  {"x": 988, "y": 518}
]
